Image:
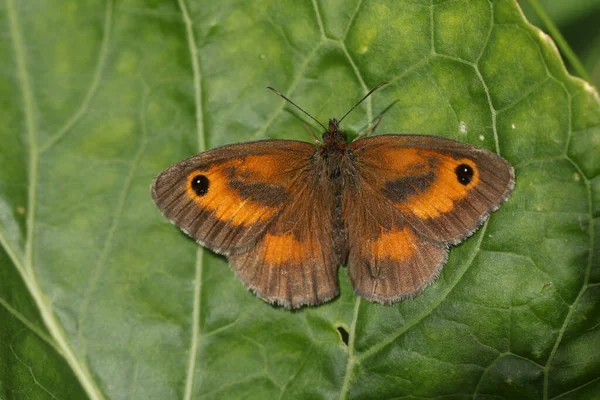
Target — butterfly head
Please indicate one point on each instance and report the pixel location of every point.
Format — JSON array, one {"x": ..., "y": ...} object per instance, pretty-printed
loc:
[
  {"x": 334, "y": 140},
  {"x": 333, "y": 134}
]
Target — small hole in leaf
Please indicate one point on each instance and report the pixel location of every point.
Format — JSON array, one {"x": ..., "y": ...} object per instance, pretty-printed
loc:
[{"x": 343, "y": 334}]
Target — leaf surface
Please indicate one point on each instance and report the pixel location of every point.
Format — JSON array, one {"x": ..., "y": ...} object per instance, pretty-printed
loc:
[{"x": 100, "y": 297}]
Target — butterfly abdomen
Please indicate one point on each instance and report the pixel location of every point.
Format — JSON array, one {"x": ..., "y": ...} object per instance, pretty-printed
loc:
[{"x": 340, "y": 234}]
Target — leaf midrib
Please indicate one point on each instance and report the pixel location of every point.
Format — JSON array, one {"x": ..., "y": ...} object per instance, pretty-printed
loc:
[
  {"x": 26, "y": 271},
  {"x": 199, "y": 115}
]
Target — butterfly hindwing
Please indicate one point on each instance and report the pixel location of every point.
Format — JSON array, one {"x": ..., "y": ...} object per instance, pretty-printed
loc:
[
  {"x": 388, "y": 260},
  {"x": 294, "y": 263}
]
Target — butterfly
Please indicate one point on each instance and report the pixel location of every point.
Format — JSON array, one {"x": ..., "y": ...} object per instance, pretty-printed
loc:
[{"x": 288, "y": 213}]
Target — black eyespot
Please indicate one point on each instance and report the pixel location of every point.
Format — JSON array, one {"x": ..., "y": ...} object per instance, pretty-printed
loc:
[
  {"x": 200, "y": 184},
  {"x": 464, "y": 174}
]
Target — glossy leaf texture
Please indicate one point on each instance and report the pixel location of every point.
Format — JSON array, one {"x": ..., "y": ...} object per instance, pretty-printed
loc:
[{"x": 101, "y": 298}]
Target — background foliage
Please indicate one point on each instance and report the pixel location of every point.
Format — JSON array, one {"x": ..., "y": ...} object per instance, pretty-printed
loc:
[
  {"x": 576, "y": 20},
  {"x": 101, "y": 298}
]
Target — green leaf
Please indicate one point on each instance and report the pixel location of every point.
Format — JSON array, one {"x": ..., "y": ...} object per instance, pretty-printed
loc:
[{"x": 100, "y": 297}]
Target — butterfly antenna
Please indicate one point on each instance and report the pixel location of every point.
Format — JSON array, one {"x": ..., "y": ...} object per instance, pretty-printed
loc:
[
  {"x": 361, "y": 100},
  {"x": 277, "y": 92}
]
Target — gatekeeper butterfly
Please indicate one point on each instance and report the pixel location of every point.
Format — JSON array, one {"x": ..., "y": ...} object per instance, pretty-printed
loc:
[{"x": 288, "y": 213}]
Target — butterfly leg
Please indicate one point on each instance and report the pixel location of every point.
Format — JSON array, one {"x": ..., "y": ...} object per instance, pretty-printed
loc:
[
  {"x": 312, "y": 133},
  {"x": 370, "y": 130}
]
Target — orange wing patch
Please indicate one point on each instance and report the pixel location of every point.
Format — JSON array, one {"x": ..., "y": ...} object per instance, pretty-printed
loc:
[
  {"x": 424, "y": 182},
  {"x": 245, "y": 190},
  {"x": 263, "y": 168},
  {"x": 413, "y": 161},
  {"x": 441, "y": 189},
  {"x": 396, "y": 264},
  {"x": 294, "y": 263},
  {"x": 286, "y": 249},
  {"x": 225, "y": 202},
  {"x": 395, "y": 245}
]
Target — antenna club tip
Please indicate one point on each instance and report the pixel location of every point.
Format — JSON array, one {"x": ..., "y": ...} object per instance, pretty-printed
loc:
[{"x": 272, "y": 89}]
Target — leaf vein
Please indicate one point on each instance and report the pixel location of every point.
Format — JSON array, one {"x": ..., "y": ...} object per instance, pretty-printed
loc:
[
  {"x": 79, "y": 368},
  {"x": 351, "y": 21},
  {"x": 584, "y": 286},
  {"x": 391, "y": 338},
  {"x": 259, "y": 132},
  {"x": 94, "y": 84},
  {"x": 319, "y": 19},
  {"x": 42, "y": 335},
  {"x": 114, "y": 226},
  {"x": 362, "y": 82},
  {"x": 577, "y": 388},
  {"x": 351, "y": 352},
  {"x": 196, "y": 331}
]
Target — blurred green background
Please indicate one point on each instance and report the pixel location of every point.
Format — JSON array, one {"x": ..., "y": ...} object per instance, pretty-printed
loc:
[{"x": 579, "y": 23}]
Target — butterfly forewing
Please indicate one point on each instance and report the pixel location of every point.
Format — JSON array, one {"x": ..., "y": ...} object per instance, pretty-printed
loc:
[
  {"x": 443, "y": 188},
  {"x": 225, "y": 198}
]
